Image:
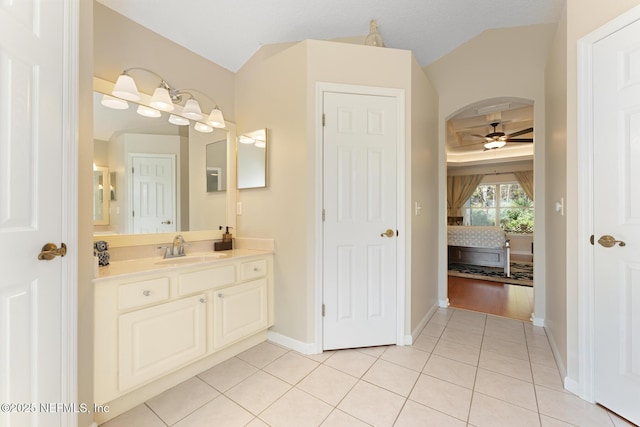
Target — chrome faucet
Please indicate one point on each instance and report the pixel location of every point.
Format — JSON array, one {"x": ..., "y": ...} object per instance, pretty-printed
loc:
[{"x": 176, "y": 249}]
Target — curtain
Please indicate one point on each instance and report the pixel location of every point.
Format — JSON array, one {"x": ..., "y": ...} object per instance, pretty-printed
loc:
[
  {"x": 459, "y": 189},
  {"x": 525, "y": 179}
]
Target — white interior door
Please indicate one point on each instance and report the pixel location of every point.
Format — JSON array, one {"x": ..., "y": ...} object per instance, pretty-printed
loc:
[
  {"x": 33, "y": 339},
  {"x": 616, "y": 77},
  {"x": 154, "y": 194},
  {"x": 360, "y": 205}
]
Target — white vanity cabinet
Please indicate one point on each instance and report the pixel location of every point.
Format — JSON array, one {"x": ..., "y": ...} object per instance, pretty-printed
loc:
[{"x": 154, "y": 325}]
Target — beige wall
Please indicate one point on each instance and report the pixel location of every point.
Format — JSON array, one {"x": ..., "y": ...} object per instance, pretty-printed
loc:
[
  {"x": 469, "y": 74},
  {"x": 121, "y": 43},
  {"x": 422, "y": 164},
  {"x": 556, "y": 188},
  {"x": 276, "y": 89},
  {"x": 583, "y": 17}
]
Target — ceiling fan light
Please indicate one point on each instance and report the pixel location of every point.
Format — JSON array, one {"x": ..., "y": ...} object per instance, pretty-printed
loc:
[
  {"x": 161, "y": 100},
  {"x": 202, "y": 127},
  {"x": 177, "y": 120},
  {"x": 496, "y": 143},
  {"x": 115, "y": 103},
  {"x": 192, "y": 110},
  {"x": 216, "y": 119},
  {"x": 143, "y": 110},
  {"x": 125, "y": 88}
]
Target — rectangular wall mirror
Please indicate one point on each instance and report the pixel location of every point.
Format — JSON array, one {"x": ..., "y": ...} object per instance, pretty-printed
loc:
[
  {"x": 101, "y": 195},
  {"x": 252, "y": 159},
  {"x": 123, "y": 135}
]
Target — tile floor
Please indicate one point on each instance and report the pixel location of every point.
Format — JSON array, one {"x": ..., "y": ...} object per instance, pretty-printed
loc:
[{"x": 465, "y": 369}]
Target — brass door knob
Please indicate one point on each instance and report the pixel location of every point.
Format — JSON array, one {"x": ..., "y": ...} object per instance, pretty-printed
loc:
[
  {"x": 50, "y": 251},
  {"x": 610, "y": 241},
  {"x": 388, "y": 233}
]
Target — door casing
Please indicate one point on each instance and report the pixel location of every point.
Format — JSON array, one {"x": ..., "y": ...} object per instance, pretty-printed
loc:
[{"x": 399, "y": 95}]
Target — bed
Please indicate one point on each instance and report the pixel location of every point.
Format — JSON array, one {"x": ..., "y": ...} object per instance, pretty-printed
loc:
[{"x": 484, "y": 246}]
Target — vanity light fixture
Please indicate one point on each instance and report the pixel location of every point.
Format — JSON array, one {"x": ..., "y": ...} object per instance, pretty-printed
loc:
[
  {"x": 243, "y": 139},
  {"x": 164, "y": 99},
  {"x": 178, "y": 120},
  {"x": 260, "y": 144},
  {"x": 113, "y": 102}
]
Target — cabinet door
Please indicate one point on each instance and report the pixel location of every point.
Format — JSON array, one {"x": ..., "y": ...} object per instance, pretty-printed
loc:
[
  {"x": 159, "y": 339},
  {"x": 239, "y": 311}
]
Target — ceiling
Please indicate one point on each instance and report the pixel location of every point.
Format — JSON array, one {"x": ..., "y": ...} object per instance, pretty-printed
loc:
[{"x": 229, "y": 32}]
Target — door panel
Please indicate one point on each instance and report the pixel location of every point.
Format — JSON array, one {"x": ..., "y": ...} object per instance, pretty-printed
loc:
[
  {"x": 31, "y": 204},
  {"x": 360, "y": 203},
  {"x": 616, "y": 79}
]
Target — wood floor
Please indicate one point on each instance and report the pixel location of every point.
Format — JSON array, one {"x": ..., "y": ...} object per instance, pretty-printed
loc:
[{"x": 513, "y": 301}]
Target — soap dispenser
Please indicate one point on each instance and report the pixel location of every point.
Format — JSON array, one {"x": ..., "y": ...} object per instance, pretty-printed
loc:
[{"x": 227, "y": 240}]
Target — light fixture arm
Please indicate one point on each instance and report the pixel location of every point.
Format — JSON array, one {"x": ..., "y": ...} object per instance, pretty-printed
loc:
[
  {"x": 176, "y": 98},
  {"x": 188, "y": 91}
]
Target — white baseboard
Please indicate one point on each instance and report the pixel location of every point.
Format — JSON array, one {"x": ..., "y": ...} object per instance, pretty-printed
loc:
[
  {"x": 444, "y": 303},
  {"x": 410, "y": 339},
  {"x": 571, "y": 385},
  {"x": 537, "y": 321},
  {"x": 556, "y": 355},
  {"x": 290, "y": 343}
]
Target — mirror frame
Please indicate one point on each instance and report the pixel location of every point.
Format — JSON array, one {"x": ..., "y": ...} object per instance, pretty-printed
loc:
[{"x": 123, "y": 240}]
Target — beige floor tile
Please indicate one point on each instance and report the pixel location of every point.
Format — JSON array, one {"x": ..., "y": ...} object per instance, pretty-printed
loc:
[
  {"x": 296, "y": 409},
  {"x": 552, "y": 422},
  {"x": 489, "y": 412},
  {"x": 291, "y": 367},
  {"x": 506, "y": 365},
  {"x": 452, "y": 371},
  {"x": 220, "y": 411},
  {"x": 467, "y": 325},
  {"x": 542, "y": 356},
  {"x": 228, "y": 373},
  {"x": 506, "y": 332},
  {"x": 406, "y": 356},
  {"x": 327, "y": 384},
  {"x": 262, "y": 354},
  {"x": 392, "y": 377},
  {"x": 460, "y": 352},
  {"x": 181, "y": 400},
  {"x": 140, "y": 416},
  {"x": 537, "y": 341},
  {"x": 462, "y": 336},
  {"x": 372, "y": 404},
  {"x": 373, "y": 351},
  {"x": 547, "y": 377},
  {"x": 441, "y": 316},
  {"x": 509, "y": 389},
  {"x": 339, "y": 419},
  {"x": 425, "y": 343},
  {"x": 619, "y": 422},
  {"x": 433, "y": 329},
  {"x": 320, "y": 358},
  {"x": 570, "y": 408},
  {"x": 443, "y": 396},
  {"x": 258, "y": 391},
  {"x": 257, "y": 422},
  {"x": 414, "y": 414},
  {"x": 351, "y": 362},
  {"x": 506, "y": 347}
]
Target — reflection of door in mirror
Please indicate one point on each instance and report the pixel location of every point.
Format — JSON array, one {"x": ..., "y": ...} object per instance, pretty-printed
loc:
[
  {"x": 100, "y": 195},
  {"x": 252, "y": 159},
  {"x": 153, "y": 193}
]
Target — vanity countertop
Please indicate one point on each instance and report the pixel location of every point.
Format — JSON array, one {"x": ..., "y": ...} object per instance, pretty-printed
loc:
[{"x": 117, "y": 269}]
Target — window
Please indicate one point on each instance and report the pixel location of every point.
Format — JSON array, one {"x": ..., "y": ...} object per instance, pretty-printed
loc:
[{"x": 504, "y": 204}]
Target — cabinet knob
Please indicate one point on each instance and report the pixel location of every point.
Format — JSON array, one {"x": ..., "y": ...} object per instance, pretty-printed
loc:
[
  {"x": 202, "y": 300},
  {"x": 146, "y": 293}
]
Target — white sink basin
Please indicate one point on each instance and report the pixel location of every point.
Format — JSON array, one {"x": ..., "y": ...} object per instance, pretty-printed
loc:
[{"x": 191, "y": 259}]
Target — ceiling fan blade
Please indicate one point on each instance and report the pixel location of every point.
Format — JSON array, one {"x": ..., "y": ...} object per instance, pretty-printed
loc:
[
  {"x": 520, "y": 140},
  {"x": 520, "y": 132}
]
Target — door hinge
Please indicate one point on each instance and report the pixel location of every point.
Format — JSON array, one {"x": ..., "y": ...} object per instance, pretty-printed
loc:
[
  {"x": 324, "y": 215},
  {"x": 133, "y": 213},
  {"x": 323, "y": 120},
  {"x": 592, "y": 239},
  {"x": 322, "y": 310}
]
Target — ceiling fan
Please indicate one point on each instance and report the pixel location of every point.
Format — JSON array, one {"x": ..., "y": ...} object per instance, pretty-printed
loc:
[{"x": 497, "y": 139}]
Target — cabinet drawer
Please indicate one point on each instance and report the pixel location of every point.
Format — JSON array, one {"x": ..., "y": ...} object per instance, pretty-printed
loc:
[
  {"x": 199, "y": 281},
  {"x": 137, "y": 294},
  {"x": 253, "y": 269}
]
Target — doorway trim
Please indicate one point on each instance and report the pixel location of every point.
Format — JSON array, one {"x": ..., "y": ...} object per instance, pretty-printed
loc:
[
  {"x": 585, "y": 387},
  {"x": 399, "y": 95}
]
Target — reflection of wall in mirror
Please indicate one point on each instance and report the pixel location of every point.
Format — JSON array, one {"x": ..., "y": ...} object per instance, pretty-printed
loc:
[
  {"x": 216, "y": 166},
  {"x": 251, "y": 166}
]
